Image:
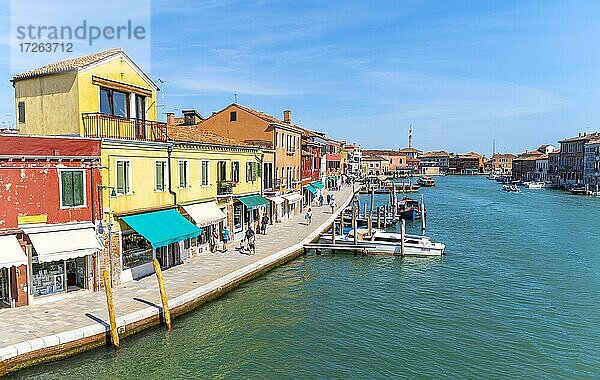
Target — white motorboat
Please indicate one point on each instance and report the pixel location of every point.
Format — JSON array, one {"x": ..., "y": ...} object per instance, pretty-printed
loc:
[
  {"x": 390, "y": 242},
  {"x": 511, "y": 188},
  {"x": 534, "y": 185}
]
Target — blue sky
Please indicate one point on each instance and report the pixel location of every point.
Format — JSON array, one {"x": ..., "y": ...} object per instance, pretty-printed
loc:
[{"x": 461, "y": 72}]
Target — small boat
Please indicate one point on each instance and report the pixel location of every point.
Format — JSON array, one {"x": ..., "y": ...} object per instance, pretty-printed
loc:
[
  {"x": 493, "y": 177},
  {"x": 409, "y": 208},
  {"x": 390, "y": 242},
  {"x": 578, "y": 190},
  {"x": 426, "y": 181},
  {"x": 511, "y": 188},
  {"x": 534, "y": 185}
]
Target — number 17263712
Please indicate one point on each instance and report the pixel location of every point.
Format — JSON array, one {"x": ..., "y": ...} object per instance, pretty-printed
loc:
[{"x": 47, "y": 47}]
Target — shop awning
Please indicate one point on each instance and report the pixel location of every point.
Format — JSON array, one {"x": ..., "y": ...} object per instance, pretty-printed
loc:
[
  {"x": 253, "y": 201},
  {"x": 275, "y": 199},
  {"x": 311, "y": 189},
  {"x": 317, "y": 184},
  {"x": 205, "y": 214},
  {"x": 11, "y": 253},
  {"x": 57, "y": 242},
  {"x": 292, "y": 197},
  {"x": 162, "y": 228}
]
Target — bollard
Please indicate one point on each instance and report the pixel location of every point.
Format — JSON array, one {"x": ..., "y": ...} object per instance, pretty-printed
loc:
[
  {"x": 163, "y": 294},
  {"x": 114, "y": 334}
]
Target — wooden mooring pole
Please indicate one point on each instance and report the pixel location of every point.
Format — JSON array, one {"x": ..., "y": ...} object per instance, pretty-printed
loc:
[
  {"x": 402, "y": 234},
  {"x": 355, "y": 205},
  {"x": 423, "y": 214},
  {"x": 163, "y": 294},
  {"x": 379, "y": 217},
  {"x": 114, "y": 333}
]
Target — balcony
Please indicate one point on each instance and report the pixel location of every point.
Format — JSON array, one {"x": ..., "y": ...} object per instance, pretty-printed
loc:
[
  {"x": 109, "y": 126},
  {"x": 225, "y": 188}
]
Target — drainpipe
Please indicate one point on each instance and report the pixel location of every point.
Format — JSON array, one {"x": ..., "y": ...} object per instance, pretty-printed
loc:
[{"x": 174, "y": 194}]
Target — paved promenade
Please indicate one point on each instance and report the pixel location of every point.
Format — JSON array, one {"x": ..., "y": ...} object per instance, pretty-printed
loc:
[{"x": 22, "y": 327}]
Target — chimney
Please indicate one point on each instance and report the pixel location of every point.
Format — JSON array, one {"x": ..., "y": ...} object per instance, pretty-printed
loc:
[
  {"x": 287, "y": 116},
  {"x": 170, "y": 119}
]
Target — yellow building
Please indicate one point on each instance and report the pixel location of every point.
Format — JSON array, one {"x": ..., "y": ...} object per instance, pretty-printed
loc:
[{"x": 149, "y": 179}]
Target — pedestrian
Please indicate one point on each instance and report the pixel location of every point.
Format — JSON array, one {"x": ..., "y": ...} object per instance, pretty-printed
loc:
[
  {"x": 225, "y": 237},
  {"x": 333, "y": 205},
  {"x": 214, "y": 240},
  {"x": 257, "y": 226},
  {"x": 328, "y": 198},
  {"x": 250, "y": 237},
  {"x": 265, "y": 223},
  {"x": 308, "y": 216},
  {"x": 321, "y": 199}
]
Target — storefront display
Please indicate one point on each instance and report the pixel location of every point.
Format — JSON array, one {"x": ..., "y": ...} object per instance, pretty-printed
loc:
[
  {"x": 136, "y": 250},
  {"x": 48, "y": 278}
]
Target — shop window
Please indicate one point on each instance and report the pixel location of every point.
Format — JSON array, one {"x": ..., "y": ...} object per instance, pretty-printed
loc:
[
  {"x": 72, "y": 188},
  {"x": 136, "y": 250},
  {"x": 160, "y": 175},
  {"x": 205, "y": 173},
  {"x": 47, "y": 278},
  {"x": 123, "y": 178},
  {"x": 237, "y": 217}
]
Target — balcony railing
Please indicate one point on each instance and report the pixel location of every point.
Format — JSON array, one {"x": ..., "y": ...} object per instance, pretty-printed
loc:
[
  {"x": 109, "y": 126},
  {"x": 225, "y": 188}
]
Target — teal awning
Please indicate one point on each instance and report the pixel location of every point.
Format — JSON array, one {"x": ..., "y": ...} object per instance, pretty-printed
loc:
[
  {"x": 162, "y": 228},
  {"x": 317, "y": 185},
  {"x": 253, "y": 201},
  {"x": 312, "y": 190}
]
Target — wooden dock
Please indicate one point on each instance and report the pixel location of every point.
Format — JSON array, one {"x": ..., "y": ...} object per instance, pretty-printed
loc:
[{"x": 362, "y": 249}]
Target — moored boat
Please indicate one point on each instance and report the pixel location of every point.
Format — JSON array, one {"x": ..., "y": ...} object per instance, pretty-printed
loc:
[
  {"x": 426, "y": 181},
  {"x": 511, "y": 188},
  {"x": 409, "y": 208},
  {"x": 534, "y": 185}
]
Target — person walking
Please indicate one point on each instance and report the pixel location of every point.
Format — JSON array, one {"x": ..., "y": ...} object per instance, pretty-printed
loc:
[
  {"x": 328, "y": 198},
  {"x": 214, "y": 240},
  {"x": 250, "y": 237},
  {"x": 265, "y": 223},
  {"x": 225, "y": 237},
  {"x": 333, "y": 205},
  {"x": 308, "y": 216}
]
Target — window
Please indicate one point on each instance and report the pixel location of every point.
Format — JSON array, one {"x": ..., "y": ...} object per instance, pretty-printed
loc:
[
  {"x": 183, "y": 174},
  {"x": 205, "y": 173},
  {"x": 276, "y": 139},
  {"x": 237, "y": 217},
  {"x": 221, "y": 171},
  {"x": 114, "y": 102},
  {"x": 123, "y": 180},
  {"x": 21, "y": 112},
  {"x": 235, "y": 171},
  {"x": 72, "y": 188},
  {"x": 251, "y": 171},
  {"x": 160, "y": 175},
  {"x": 233, "y": 116}
]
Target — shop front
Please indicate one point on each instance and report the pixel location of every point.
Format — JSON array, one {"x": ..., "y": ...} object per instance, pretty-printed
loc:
[
  {"x": 292, "y": 205},
  {"x": 209, "y": 217},
  {"x": 275, "y": 211},
  {"x": 12, "y": 257},
  {"x": 163, "y": 235},
  {"x": 247, "y": 210},
  {"x": 309, "y": 193},
  {"x": 62, "y": 258}
]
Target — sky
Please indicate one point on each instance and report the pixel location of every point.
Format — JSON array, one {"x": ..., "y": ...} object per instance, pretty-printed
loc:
[{"x": 462, "y": 73}]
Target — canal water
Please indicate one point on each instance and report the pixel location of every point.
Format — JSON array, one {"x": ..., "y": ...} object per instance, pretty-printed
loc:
[{"x": 517, "y": 296}]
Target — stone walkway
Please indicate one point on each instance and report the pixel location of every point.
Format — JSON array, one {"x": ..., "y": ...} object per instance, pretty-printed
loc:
[{"x": 82, "y": 309}]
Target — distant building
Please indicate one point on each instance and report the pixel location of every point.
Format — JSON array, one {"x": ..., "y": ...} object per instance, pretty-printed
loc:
[
  {"x": 592, "y": 164},
  {"x": 410, "y": 152},
  {"x": 439, "y": 159},
  {"x": 553, "y": 167},
  {"x": 396, "y": 161},
  {"x": 532, "y": 165},
  {"x": 374, "y": 165},
  {"x": 354, "y": 158},
  {"x": 572, "y": 156},
  {"x": 501, "y": 163},
  {"x": 470, "y": 163}
]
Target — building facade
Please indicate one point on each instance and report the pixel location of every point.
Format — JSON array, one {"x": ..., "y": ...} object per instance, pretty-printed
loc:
[
  {"x": 572, "y": 157},
  {"x": 470, "y": 163},
  {"x": 49, "y": 209},
  {"x": 592, "y": 164},
  {"x": 501, "y": 163}
]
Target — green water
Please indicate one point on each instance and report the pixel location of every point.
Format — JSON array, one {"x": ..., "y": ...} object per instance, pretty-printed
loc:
[{"x": 517, "y": 296}]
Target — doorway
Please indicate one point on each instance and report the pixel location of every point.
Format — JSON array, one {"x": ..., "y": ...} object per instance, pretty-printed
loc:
[
  {"x": 169, "y": 256},
  {"x": 4, "y": 288},
  {"x": 76, "y": 274}
]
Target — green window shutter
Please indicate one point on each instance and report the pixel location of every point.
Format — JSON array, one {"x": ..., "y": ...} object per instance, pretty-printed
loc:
[
  {"x": 121, "y": 177},
  {"x": 160, "y": 176},
  {"x": 126, "y": 176},
  {"x": 67, "y": 189},
  {"x": 182, "y": 179},
  {"x": 78, "y": 188}
]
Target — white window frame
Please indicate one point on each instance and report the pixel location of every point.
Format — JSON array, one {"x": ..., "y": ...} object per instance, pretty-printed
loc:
[
  {"x": 128, "y": 177},
  {"x": 187, "y": 174},
  {"x": 164, "y": 176},
  {"x": 60, "y": 171},
  {"x": 239, "y": 167},
  {"x": 207, "y": 173}
]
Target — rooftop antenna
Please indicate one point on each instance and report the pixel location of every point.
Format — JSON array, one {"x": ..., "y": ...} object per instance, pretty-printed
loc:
[
  {"x": 235, "y": 98},
  {"x": 410, "y": 136},
  {"x": 493, "y": 147}
]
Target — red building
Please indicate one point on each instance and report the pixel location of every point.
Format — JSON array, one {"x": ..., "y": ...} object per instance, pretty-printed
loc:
[
  {"x": 333, "y": 157},
  {"x": 49, "y": 205},
  {"x": 312, "y": 157}
]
